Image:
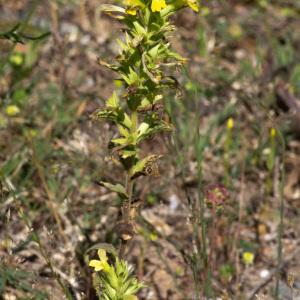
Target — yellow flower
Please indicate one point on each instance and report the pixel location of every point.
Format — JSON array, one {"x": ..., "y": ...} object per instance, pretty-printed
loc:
[
  {"x": 193, "y": 4},
  {"x": 153, "y": 236},
  {"x": 248, "y": 258},
  {"x": 273, "y": 132},
  {"x": 101, "y": 264},
  {"x": 16, "y": 59},
  {"x": 230, "y": 123},
  {"x": 158, "y": 5},
  {"x": 12, "y": 110}
]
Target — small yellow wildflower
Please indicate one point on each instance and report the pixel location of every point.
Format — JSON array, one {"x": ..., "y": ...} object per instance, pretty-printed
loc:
[
  {"x": 101, "y": 264},
  {"x": 12, "y": 110},
  {"x": 230, "y": 123},
  {"x": 248, "y": 258},
  {"x": 193, "y": 4},
  {"x": 153, "y": 236},
  {"x": 158, "y": 5},
  {"x": 273, "y": 132},
  {"x": 16, "y": 59}
]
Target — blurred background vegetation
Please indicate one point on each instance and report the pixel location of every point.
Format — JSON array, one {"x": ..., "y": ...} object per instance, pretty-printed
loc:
[{"x": 237, "y": 122}]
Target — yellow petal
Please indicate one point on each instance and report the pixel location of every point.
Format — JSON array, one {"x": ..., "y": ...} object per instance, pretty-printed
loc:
[
  {"x": 102, "y": 255},
  {"x": 96, "y": 264},
  {"x": 230, "y": 123},
  {"x": 16, "y": 59},
  {"x": 273, "y": 132},
  {"x": 193, "y": 4},
  {"x": 248, "y": 258},
  {"x": 12, "y": 110},
  {"x": 131, "y": 11},
  {"x": 158, "y": 5}
]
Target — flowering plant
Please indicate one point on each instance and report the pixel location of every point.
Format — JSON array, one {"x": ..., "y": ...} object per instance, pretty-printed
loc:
[
  {"x": 114, "y": 282},
  {"x": 143, "y": 70}
]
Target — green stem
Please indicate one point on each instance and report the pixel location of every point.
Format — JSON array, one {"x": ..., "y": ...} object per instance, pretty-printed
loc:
[
  {"x": 129, "y": 189},
  {"x": 134, "y": 120},
  {"x": 280, "y": 232}
]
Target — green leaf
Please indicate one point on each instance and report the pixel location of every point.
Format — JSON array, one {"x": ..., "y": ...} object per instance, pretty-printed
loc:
[
  {"x": 123, "y": 131},
  {"x": 143, "y": 128},
  {"x": 116, "y": 115},
  {"x": 128, "y": 153},
  {"x": 139, "y": 28},
  {"x": 113, "y": 101},
  {"x": 154, "y": 51},
  {"x": 117, "y": 188},
  {"x": 119, "y": 141},
  {"x": 154, "y": 129},
  {"x": 122, "y": 45},
  {"x": 271, "y": 159},
  {"x": 130, "y": 78},
  {"x": 138, "y": 169},
  {"x": 127, "y": 121}
]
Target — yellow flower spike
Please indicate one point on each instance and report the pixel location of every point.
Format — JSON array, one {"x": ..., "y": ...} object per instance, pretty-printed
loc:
[
  {"x": 101, "y": 264},
  {"x": 248, "y": 258},
  {"x": 273, "y": 132},
  {"x": 193, "y": 4},
  {"x": 158, "y": 5},
  {"x": 230, "y": 123},
  {"x": 12, "y": 110}
]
